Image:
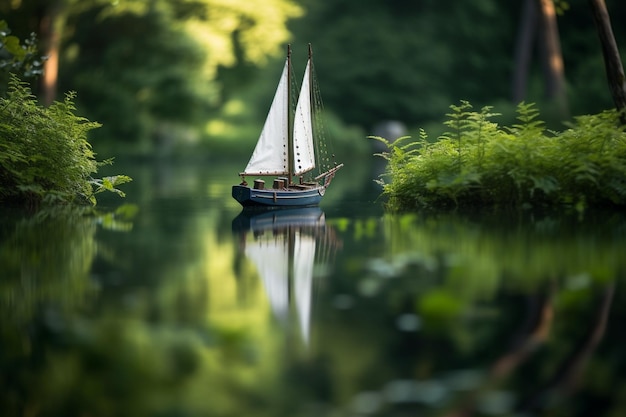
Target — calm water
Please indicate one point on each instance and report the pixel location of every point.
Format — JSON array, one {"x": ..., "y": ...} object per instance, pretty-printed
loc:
[{"x": 181, "y": 305}]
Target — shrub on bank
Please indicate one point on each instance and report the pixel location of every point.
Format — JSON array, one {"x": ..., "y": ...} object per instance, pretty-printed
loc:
[
  {"x": 478, "y": 162},
  {"x": 44, "y": 153}
]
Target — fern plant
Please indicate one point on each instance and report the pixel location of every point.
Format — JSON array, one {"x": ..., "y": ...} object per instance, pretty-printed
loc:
[
  {"x": 479, "y": 162},
  {"x": 44, "y": 152}
]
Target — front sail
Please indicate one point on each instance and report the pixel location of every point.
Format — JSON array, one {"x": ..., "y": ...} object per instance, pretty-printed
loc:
[
  {"x": 270, "y": 155},
  {"x": 303, "y": 153}
]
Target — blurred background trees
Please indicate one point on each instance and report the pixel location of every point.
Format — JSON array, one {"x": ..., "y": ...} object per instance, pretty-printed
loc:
[
  {"x": 157, "y": 72},
  {"x": 141, "y": 65}
]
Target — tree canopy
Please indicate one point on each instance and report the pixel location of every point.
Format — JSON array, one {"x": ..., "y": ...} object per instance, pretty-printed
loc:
[
  {"x": 410, "y": 61},
  {"x": 174, "y": 62},
  {"x": 156, "y": 60}
]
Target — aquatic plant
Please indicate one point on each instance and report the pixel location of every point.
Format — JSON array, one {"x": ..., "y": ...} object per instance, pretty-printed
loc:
[{"x": 478, "y": 162}]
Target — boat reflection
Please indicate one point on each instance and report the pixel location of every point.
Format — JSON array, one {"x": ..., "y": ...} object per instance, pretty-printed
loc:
[{"x": 291, "y": 249}]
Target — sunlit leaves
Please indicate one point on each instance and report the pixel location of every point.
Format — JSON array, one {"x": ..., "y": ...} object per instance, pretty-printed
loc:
[
  {"x": 110, "y": 184},
  {"x": 159, "y": 60},
  {"x": 12, "y": 45},
  {"x": 255, "y": 27}
]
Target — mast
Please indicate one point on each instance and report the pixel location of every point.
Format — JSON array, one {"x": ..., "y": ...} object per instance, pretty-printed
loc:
[
  {"x": 312, "y": 99},
  {"x": 289, "y": 120}
]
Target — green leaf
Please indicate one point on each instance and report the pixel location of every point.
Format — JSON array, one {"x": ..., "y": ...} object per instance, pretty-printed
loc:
[{"x": 12, "y": 45}]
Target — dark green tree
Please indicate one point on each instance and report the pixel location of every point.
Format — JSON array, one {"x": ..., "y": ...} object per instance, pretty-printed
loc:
[{"x": 407, "y": 60}]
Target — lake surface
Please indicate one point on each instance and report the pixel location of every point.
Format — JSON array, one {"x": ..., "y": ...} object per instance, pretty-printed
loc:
[{"x": 182, "y": 305}]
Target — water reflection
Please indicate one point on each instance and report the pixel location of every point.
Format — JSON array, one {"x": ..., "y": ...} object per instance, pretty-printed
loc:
[
  {"x": 513, "y": 314},
  {"x": 46, "y": 257},
  {"x": 199, "y": 310},
  {"x": 287, "y": 247}
]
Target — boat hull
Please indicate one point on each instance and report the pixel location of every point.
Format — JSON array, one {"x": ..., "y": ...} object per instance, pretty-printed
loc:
[{"x": 251, "y": 197}]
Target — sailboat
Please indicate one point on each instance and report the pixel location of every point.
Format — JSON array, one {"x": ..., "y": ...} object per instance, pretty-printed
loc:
[
  {"x": 289, "y": 248},
  {"x": 290, "y": 148}
]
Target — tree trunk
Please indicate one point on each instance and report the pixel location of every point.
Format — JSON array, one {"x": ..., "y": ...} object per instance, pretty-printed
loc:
[
  {"x": 51, "y": 29},
  {"x": 523, "y": 49},
  {"x": 612, "y": 59},
  {"x": 552, "y": 57}
]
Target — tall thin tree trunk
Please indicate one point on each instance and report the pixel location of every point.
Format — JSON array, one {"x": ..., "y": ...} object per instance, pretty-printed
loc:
[
  {"x": 612, "y": 59},
  {"x": 552, "y": 57},
  {"x": 51, "y": 29},
  {"x": 523, "y": 49}
]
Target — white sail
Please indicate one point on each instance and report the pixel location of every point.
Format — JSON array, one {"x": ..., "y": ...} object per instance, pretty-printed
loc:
[
  {"x": 270, "y": 154},
  {"x": 271, "y": 258},
  {"x": 303, "y": 260},
  {"x": 303, "y": 153}
]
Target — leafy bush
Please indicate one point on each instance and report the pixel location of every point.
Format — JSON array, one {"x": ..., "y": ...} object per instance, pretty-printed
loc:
[
  {"x": 479, "y": 162},
  {"x": 16, "y": 57},
  {"x": 44, "y": 153}
]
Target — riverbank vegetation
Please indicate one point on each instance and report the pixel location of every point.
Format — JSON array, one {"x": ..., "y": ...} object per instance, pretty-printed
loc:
[
  {"x": 478, "y": 162},
  {"x": 44, "y": 153},
  {"x": 175, "y": 78}
]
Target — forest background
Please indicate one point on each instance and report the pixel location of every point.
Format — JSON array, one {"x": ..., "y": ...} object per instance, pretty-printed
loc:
[{"x": 163, "y": 76}]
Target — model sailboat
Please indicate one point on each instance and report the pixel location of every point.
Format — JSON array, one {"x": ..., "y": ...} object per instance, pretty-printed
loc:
[{"x": 289, "y": 149}]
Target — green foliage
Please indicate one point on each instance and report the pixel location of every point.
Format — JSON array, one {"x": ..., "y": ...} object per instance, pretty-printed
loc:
[
  {"x": 478, "y": 162},
  {"x": 44, "y": 153},
  {"x": 407, "y": 60},
  {"x": 136, "y": 63},
  {"x": 155, "y": 74},
  {"x": 18, "y": 57}
]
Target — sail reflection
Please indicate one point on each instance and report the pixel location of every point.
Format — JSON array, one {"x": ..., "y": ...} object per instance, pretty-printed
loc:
[{"x": 291, "y": 249}]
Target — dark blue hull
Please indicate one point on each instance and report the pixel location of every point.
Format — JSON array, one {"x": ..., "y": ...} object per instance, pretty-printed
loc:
[{"x": 250, "y": 197}]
